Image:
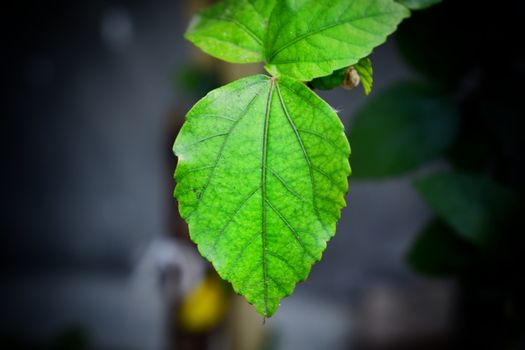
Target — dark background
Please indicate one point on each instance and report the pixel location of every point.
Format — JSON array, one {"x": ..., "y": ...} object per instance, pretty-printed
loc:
[{"x": 92, "y": 255}]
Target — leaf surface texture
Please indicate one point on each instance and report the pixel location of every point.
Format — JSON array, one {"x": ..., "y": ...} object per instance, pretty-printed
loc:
[
  {"x": 311, "y": 38},
  {"x": 232, "y": 30},
  {"x": 261, "y": 179}
]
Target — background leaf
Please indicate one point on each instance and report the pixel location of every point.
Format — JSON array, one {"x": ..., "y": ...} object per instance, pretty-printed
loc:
[
  {"x": 363, "y": 68},
  {"x": 438, "y": 251},
  {"x": 475, "y": 206},
  {"x": 329, "y": 82},
  {"x": 312, "y": 38},
  {"x": 232, "y": 30},
  {"x": 418, "y": 4},
  {"x": 401, "y": 129},
  {"x": 261, "y": 178}
]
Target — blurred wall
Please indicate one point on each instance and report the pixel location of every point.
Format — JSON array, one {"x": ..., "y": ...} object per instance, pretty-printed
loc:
[{"x": 86, "y": 181}]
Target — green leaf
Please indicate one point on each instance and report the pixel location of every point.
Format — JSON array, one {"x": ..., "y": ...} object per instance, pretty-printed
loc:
[
  {"x": 365, "y": 71},
  {"x": 418, "y": 4},
  {"x": 438, "y": 251},
  {"x": 329, "y": 82},
  {"x": 337, "y": 78},
  {"x": 475, "y": 206},
  {"x": 311, "y": 38},
  {"x": 400, "y": 129},
  {"x": 232, "y": 30},
  {"x": 261, "y": 178}
]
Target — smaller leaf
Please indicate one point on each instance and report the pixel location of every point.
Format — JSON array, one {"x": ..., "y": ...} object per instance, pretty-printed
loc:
[
  {"x": 232, "y": 30},
  {"x": 308, "y": 39},
  {"x": 475, "y": 206},
  {"x": 400, "y": 129},
  {"x": 329, "y": 82},
  {"x": 438, "y": 251},
  {"x": 365, "y": 71},
  {"x": 340, "y": 77},
  {"x": 418, "y": 4}
]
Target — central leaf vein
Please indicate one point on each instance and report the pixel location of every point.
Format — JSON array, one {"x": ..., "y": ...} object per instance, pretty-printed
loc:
[{"x": 264, "y": 159}]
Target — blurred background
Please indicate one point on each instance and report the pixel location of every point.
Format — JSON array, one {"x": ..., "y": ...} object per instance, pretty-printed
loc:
[{"x": 428, "y": 253}]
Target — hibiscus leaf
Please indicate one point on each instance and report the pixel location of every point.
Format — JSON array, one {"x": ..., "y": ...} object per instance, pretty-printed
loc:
[
  {"x": 232, "y": 30},
  {"x": 307, "y": 39},
  {"x": 261, "y": 178}
]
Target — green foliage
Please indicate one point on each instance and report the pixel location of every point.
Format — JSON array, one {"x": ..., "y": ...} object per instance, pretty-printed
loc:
[
  {"x": 401, "y": 129},
  {"x": 418, "y": 4},
  {"x": 438, "y": 251},
  {"x": 331, "y": 81},
  {"x": 365, "y": 71},
  {"x": 263, "y": 161},
  {"x": 232, "y": 30},
  {"x": 311, "y": 38},
  {"x": 473, "y": 205},
  {"x": 302, "y": 39},
  {"x": 337, "y": 78},
  {"x": 261, "y": 180}
]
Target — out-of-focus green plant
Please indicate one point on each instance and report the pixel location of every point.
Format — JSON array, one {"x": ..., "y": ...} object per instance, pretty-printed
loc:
[{"x": 465, "y": 110}]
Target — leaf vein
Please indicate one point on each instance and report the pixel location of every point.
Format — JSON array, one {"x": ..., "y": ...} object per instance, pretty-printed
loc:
[
  {"x": 264, "y": 158},
  {"x": 322, "y": 29},
  {"x": 278, "y": 285},
  {"x": 306, "y": 157},
  {"x": 204, "y": 139},
  {"x": 214, "y": 115},
  {"x": 323, "y": 138},
  {"x": 194, "y": 170},
  {"x": 233, "y": 215},
  {"x": 286, "y": 185},
  {"x": 286, "y": 263},
  {"x": 235, "y": 262},
  {"x": 291, "y": 228},
  {"x": 330, "y": 179}
]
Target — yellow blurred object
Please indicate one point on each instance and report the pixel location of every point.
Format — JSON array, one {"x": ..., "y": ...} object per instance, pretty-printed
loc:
[{"x": 205, "y": 306}]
